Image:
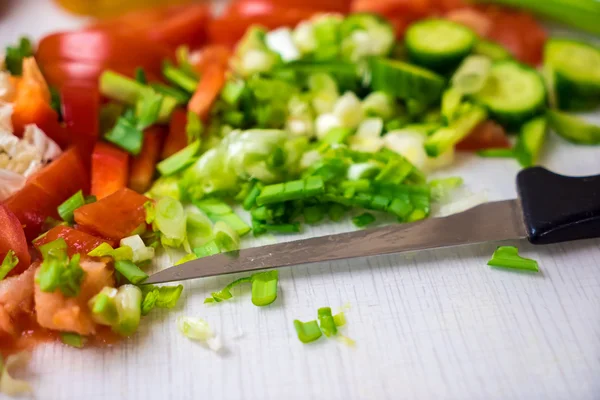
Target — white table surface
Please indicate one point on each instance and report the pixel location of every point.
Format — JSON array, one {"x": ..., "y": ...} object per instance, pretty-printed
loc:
[{"x": 434, "y": 325}]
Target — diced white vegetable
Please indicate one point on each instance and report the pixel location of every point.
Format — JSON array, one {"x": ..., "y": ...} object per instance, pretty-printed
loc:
[
  {"x": 304, "y": 37},
  {"x": 379, "y": 104},
  {"x": 255, "y": 61},
  {"x": 410, "y": 144},
  {"x": 46, "y": 147},
  {"x": 140, "y": 251},
  {"x": 362, "y": 170},
  {"x": 370, "y": 128},
  {"x": 366, "y": 144},
  {"x": 326, "y": 122},
  {"x": 309, "y": 158},
  {"x": 281, "y": 41},
  {"x": 198, "y": 329},
  {"x": 10, "y": 182},
  {"x": 348, "y": 110}
]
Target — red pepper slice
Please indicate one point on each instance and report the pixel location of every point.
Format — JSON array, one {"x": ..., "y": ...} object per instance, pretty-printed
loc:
[
  {"x": 115, "y": 216},
  {"x": 110, "y": 170},
  {"x": 177, "y": 137},
  {"x": 81, "y": 110},
  {"x": 143, "y": 166},
  {"x": 13, "y": 238}
]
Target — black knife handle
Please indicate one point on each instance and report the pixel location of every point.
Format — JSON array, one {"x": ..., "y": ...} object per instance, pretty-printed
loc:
[{"x": 559, "y": 208}]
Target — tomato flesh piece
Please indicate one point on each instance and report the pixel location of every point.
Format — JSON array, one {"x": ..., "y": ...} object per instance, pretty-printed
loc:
[
  {"x": 110, "y": 170},
  {"x": 487, "y": 135},
  {"x": 78, "y": 242},
  {"x": 13, "y": 238},
  {"x": 115, "y": 216},
  {"x": 81, "y": 113}
]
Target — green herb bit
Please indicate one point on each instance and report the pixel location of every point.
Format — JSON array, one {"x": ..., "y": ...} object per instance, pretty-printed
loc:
[
  {"x": 180, "y": 160},
  {"x": 307, "y": 331},
  {"x": 225, "y": 293},
  {"x": 193, "y": 127},
  {"x": 126, "y": 135},
  {"x": 327, "y": 322},
  {"x": 209, "y": 249},
  {"x": 363, "y": 220},
  {"x": 179, "y": 78},
  {"x": 14, "y": 56},
  {"x": 73, "y": 339},
  {"x": 508, "y": 257},
  {"x": 8, "y": 264},
  {"x": 66, "y": 209},
  {"x": 140, "y": 76},
  {"x": 339, "y": 319},
  {"x": 496, "y": 153},
  {"x": 264, "y": 287},
  {"x": 130, "y": 271}
]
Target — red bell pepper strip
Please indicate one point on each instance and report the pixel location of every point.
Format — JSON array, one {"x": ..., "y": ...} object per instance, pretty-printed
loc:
[
  {"x": 143, "y": 166},
  {"x": 176, "y": 138},
  {"x": 78, "y": 242},
  {"x": 186, "y": 26},
  {"x": 47, "y": 189},
  {"x": 13, "y": 238},
  {"x": 110, "y": 170},
  {"x": 81, "y": 111},
  {"x": 115, "y": 216},
  {"x": 208, "y": 90},
  {"x": 210, "y": 55},
  {"x": 487, "y": 135}
]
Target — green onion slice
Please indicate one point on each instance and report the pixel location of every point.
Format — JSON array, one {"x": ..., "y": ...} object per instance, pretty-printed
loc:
[
  {"x": 307, "y": 331},
  {"x": 66, "y": 209},
  {"x": 73, "y": 339},
  {"x": 508, "y": 257},
  {"x": 327, "y": 322},
  {"x": 131, "y": 271},
  {"x": 264, "y": 287}
]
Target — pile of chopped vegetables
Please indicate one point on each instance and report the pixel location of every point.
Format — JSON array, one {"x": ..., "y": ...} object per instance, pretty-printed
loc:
[{"x": 190, "y": 134}]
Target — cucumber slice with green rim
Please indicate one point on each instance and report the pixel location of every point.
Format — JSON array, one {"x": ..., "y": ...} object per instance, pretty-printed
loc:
[
  {"x": 513, "y": 93},
  {"x": 576, "y": 73},
  {"x": 493, "y": 50},
  {"x": 406, "y": 81},
  {"x": 439, "y": 44},
  {"x": 531, "y": 140},
  {"x": 573, "y": 129}
]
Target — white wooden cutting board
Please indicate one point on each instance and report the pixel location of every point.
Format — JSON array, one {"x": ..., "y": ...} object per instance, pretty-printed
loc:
[{"x": 436, "y": 325}]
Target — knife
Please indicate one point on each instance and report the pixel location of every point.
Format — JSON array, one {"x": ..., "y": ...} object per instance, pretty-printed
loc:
[{"x": 550, "y": 208}]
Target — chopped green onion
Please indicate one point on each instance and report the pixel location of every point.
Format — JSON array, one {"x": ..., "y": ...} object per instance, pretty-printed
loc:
[
  {"x": 66, "y": 209},
  {"x": 193, "y": 127},
  {"x": 336, "y": 212},
  {"x": 444, "y": 138},
  {"x": 150, "y": 210},
  {"x": 492, "y": 50},
  {"x": 150, "y": 295},
  {"x": 170, "y": 221},
  {"x": 198, "y": 329},
  {"x": 441, "y": 187},
  {"x": 314, "y": 214},
  {"x": 451, "y": 102},
  {"x": 264, "y": 287},
  {"x": 339, "y": 319},
  {"x": 73, "y": 339},
  {"x": 147, "y": 109},
  {"x": 496, "y": 153},
  {"x": 292, "y": 190},
  {"x": 232, "y": 92},
  {"x": 226, "y": 237},
  {"x": 179, "y": 78},
  {"x": 130, "y": 271},
  {"x": 182, "y": 53},
  {"x": 104, "y": 307},
  {"x": 327, "y": 322},
  {"x": 10, "y": 261},
  {"x": 140, "y": 252},
  {"x": 123, "y": 253},
  {"x": 508, "y": 257},
  {"x": 209, "y": 249},
  {"x": 140, "y": 76},
  {"x": 180, "y": 160},
  {"x": 337, "y": 135},
  {"x": 180, "y": 96},
  {"x": 282, "y": 228},
  {"x": 472, "y": 74},
  {"x": 213, "y": 207},
  {"x": 71, "y": 277},
  {"x": 250, "y": 199},
  {"x": 121, "y": 88},
  {"x": 57, "y": 271},
  {"x": 14, "y": 55},
  {"x": 225, "y": 293},
  {"x": 198, "y": 227},
  {"x": 363, "y": 220},
  {"x": 129, "y": 307},
  {"x": 307, "y": 331},
  {"x": 234, "y": 221},
  {"x": 168, "y": 296},
  {"x": 186, "y": 258},
  {"x": 126, "y": 135}
]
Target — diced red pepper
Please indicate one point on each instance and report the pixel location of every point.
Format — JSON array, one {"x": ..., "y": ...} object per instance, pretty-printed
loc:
[
  {"x": 176, "y": 138},
  {"x": 210, "y": 55},
  {"x": 81, "y": 111},
  {"x": 487, "y": 135},
  {"x": 115, "y": 216},
  {"x": 47, "y": 189},
  {"x": 110, "y": 170},
  {"x": 13, "y": 238},
  {"x": 208, "y": 90},
  {"x": 143, "y": 166},
  {"x": 78, "y": 242}
]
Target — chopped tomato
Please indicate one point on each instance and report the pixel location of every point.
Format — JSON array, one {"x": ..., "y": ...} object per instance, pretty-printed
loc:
[
  {"x": 487, "y": 135},
  {"x": 519, "y": 32},
  {"x": 143, "y": 166},
  {"x": 110, "y": 170},
  {"x": 115, "y": 216},
  {"x": 77, "y": 241},
  {"x": 46, "y": 190},
  {"x": 208, "y": 90},
  {"x": 177, "y": 137},
  {"x": 394, "y": 8},
  {"x": 341, "y": 6},
  {"x": 229, "y": 28},
  {"x": 81, "y": 113},
  {"x": 477, "y": 20},
  {"x": 103, "y": 49},
  {"x": 170, "y": 25},
  {"x": 13, "y": 238}
]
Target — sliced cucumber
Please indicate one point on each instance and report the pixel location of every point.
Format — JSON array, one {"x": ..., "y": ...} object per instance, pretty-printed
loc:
[
  {"x": 406, "y": 81},
  {"x": 513, "y": 93},
  {"x": 531, "y": 140},
  {"x": 576, "y": 66},
  {"x": 493, "y": 50},
  {"x": 439, "y": 44},
  {"x": 573, "y": 129}
]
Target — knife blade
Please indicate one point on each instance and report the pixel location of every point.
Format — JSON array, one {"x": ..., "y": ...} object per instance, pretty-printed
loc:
[{"x": 494, "y": 221}]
